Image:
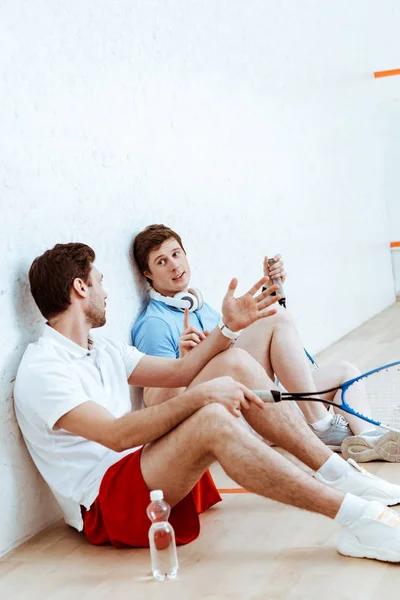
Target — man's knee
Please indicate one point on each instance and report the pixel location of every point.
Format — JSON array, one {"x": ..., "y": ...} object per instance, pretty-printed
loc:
[
  {"x": 283, "y": 317},
  {"x": 213, "y": 413},
  {"x": 241, "y": 364},
  {"x": 348, "y": 370},
  {"x": 214, "y": 420}
]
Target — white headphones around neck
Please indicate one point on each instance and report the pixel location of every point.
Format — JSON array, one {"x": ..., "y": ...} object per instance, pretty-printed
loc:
[{"x": 192, "y": 299}]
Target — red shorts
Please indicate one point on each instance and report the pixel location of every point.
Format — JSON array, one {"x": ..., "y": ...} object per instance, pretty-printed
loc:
[{"x": 118, "y": 515}]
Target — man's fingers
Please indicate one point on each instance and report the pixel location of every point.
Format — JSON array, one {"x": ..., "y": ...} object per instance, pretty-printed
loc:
[
  {"x": 236, "y": 413},
  {"x": 192, "y": 337},
  {"x": 267, "y": 312},
  {"x": 233, "y": 409},
  {"x": 270, "y": 289},
  {"x": 186, "y": 322},
  {"x": 188, "y": 344},
  {"x": 201, "y": 334},
  {"x": 279, "y": 274},
  {"x": 277, "y": 266},
  {"x": 257, "y": 285},
  {"x": 266, "y": 296},
  {"x": 267, "y": 302},
  {"x": 245, "y": 403},
  {"x": 191, "y": 330},
  {"x": 265, "y": 266},
  {"x": 232, "y": 287},
  {"x": 252, "y": 397}
]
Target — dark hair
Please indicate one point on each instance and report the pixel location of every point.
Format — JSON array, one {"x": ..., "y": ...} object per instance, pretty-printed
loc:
[
  {"x": 150, "y": 239},
  {"x": 52, "y": 274}
]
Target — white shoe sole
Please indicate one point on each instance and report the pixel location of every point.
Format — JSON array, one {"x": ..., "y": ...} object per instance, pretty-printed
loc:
[
  {"x": 350, "y": 546},
  {"x": 360, "y": 449}
]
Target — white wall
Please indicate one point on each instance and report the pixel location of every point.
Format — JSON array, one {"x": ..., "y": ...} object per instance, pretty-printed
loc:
[
  {"x": 390, "y": 104},
  {"x": 390, "y": 89},
  {"x": 251, "y": 127}
]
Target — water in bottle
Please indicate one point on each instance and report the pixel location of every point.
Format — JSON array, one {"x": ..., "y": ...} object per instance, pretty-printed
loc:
[{"x": 164, "y": 560}]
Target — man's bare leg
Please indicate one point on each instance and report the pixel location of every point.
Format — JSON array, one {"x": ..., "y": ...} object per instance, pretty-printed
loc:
[
  {"x": 276, "y": 345},
  {"x": 175, "y": 462},
  {"x": 334, "y": 375},
  {"x": 282, "y": 423}
]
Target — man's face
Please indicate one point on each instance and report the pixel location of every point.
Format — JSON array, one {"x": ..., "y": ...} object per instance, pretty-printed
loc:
[
  {"x": 96, "y": 308},
  {"x": 169, "y": 269}
]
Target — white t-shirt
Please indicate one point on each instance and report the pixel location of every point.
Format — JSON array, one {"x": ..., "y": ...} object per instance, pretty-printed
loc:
[{"x": 55, "y": 376}]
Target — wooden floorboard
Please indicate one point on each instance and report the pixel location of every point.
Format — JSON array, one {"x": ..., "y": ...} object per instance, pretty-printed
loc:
[{"x": 249, "y": 548}]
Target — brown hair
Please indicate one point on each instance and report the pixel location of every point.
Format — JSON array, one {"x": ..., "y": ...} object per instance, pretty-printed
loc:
[
  {"x": 150, "y": 239},
  {"x": 52, "y": 274}
]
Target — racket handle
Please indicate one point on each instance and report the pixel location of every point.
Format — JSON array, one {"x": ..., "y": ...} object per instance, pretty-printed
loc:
[
  {"x": 278, "y": 281},
  {"x": 269, "y": 395}
]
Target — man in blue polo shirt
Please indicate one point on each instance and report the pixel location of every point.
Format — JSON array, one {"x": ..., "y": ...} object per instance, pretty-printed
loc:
[
  {"x": 158, "y": 329},
  {"x": 163, "y": 330}
]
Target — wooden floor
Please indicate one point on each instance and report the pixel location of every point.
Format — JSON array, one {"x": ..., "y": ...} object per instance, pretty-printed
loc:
[{"x": 249, "y": 547}]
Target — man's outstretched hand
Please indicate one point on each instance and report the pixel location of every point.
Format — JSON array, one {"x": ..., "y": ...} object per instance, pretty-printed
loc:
[{"x": 238, "y": 313}]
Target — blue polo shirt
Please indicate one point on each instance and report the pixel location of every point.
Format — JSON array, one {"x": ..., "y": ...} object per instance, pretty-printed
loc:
[{"x": 158, "y": 327}]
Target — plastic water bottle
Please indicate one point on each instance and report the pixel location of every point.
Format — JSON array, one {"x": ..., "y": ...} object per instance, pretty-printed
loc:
[{"x": 164, "y": 560}]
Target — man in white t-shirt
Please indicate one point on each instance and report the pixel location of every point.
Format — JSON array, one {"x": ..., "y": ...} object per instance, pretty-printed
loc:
[{"x": 100, "y": 458}]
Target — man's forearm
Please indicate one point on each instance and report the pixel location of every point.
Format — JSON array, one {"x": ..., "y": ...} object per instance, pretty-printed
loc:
[
  {"x": 143, "y": 426},
  {"x": 157, "y": 371},
  {"x": 194, "y": 361},
  {"x": 154, "y": 396}
]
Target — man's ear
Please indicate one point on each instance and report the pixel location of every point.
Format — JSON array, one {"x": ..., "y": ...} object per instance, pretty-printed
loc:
[
  {"x": 80, "y": 287},
  {"x": 148, "y": 275}
]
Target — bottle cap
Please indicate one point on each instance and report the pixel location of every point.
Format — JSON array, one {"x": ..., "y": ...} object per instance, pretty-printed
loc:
[{"x": 156, "y": 495}]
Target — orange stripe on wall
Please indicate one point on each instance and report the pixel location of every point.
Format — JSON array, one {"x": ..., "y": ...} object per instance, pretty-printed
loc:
[
  {"x": 389, "y": 73},
  {"x": 395, "y": 244}
]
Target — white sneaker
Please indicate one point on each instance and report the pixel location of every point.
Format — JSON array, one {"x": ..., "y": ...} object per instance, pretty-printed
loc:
[
  {"x": 376, "y": 534},
  {"x": 372, "y": 445},
  {"x": 337, "y": 433},
  {"x": 356, "y": 480}
]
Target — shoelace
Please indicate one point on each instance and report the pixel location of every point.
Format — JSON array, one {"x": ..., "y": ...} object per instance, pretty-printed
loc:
[
  {"x": 390, "y": 518},
  {"x": 339, "y": 420}
]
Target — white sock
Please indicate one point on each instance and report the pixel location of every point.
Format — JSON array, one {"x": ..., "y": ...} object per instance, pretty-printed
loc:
[
  {"x": 323, "y": 424},
  {"x": 350, "y": 510},
  {"x": 333, "y": 468}
]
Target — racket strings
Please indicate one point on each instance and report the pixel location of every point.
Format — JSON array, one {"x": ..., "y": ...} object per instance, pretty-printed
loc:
[
  {"x": 383, "y": 392},
  {"x": 378, "y": 391},
  {"x": 344, "y": 407}
]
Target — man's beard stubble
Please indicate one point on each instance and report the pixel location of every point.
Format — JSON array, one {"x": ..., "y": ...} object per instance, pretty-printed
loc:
[{"x": 96, "y": 315}]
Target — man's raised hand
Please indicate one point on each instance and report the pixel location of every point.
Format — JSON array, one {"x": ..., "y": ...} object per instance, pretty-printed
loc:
[{"x": 238, "y": 313}]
